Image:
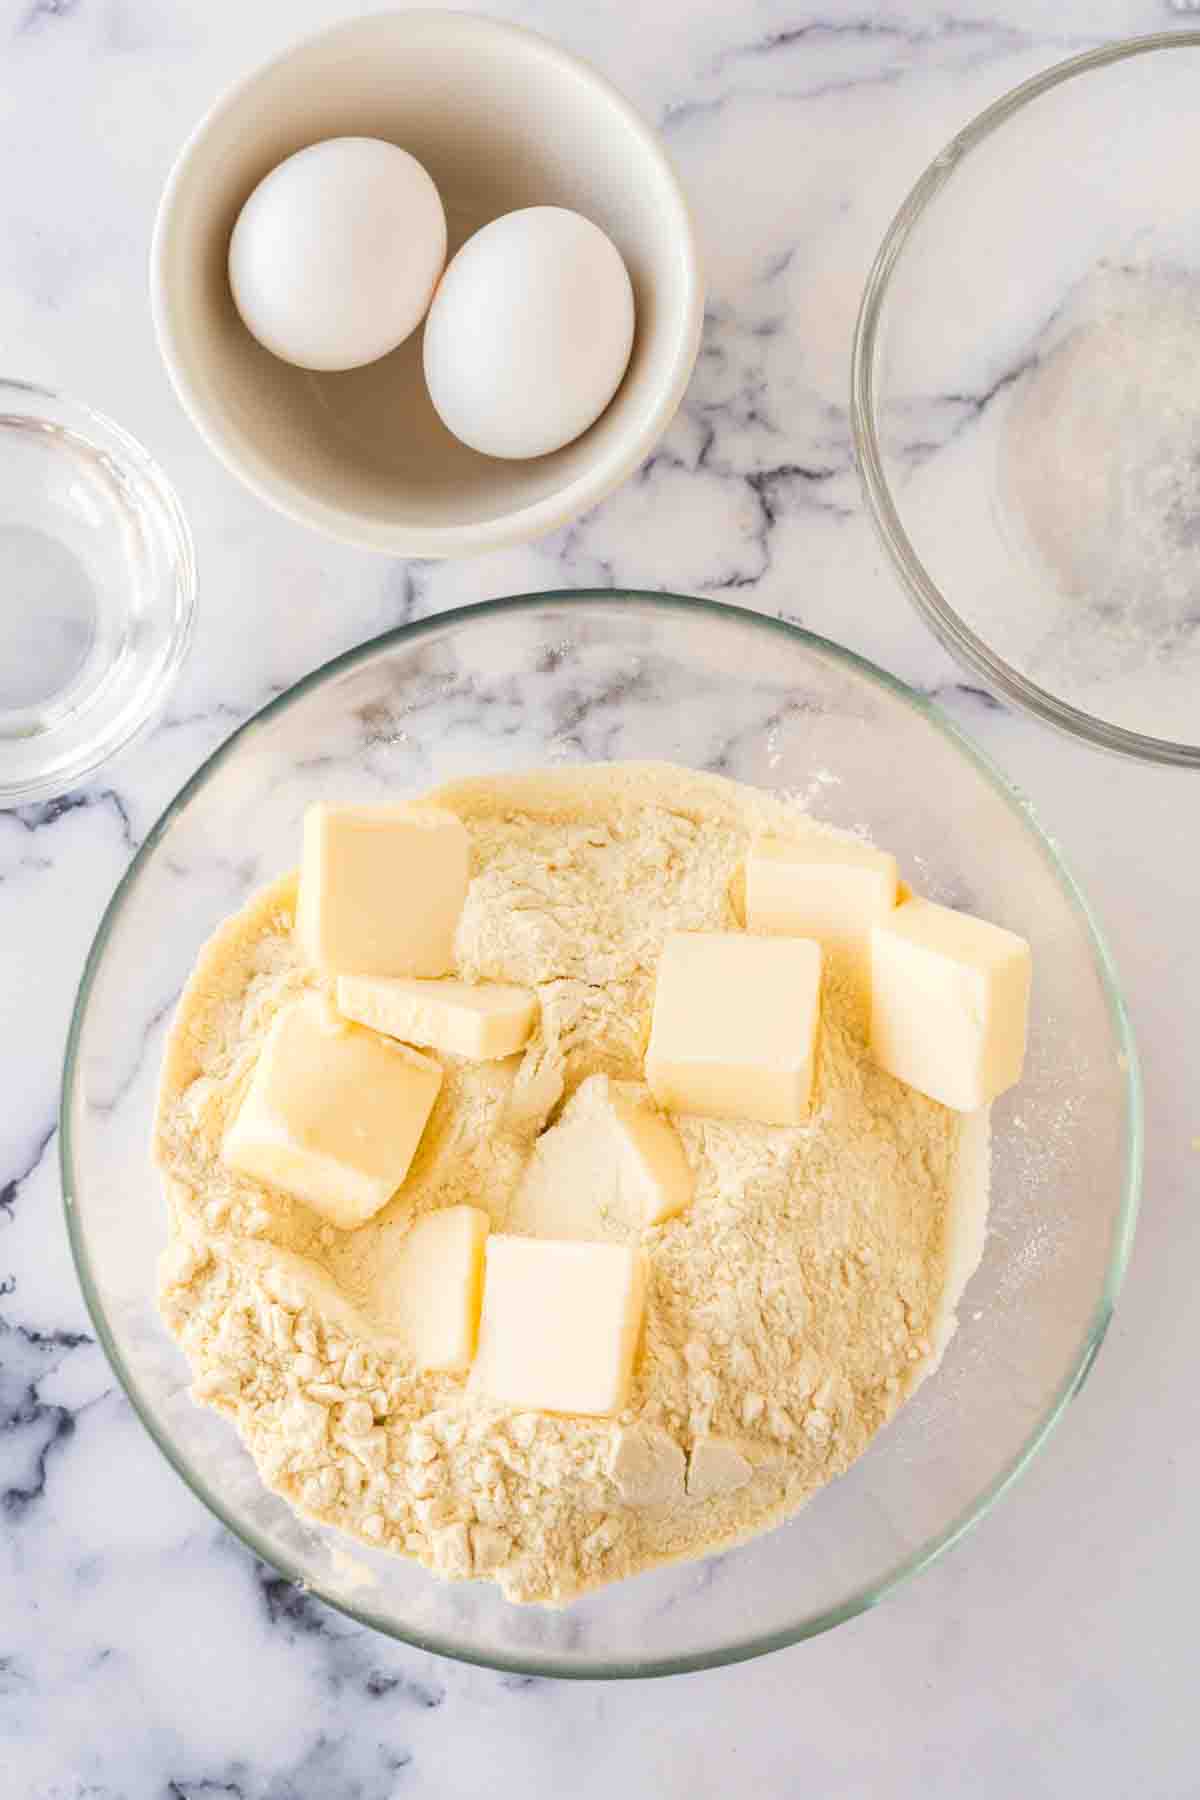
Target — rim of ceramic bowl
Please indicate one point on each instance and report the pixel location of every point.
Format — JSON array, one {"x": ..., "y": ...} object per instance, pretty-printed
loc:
[
  {"x": 528, "y": 522},
  {"x": 942, "y": 618},
  {"x": 753, "y": 1644},
  {"x": 135, "y": 463}
]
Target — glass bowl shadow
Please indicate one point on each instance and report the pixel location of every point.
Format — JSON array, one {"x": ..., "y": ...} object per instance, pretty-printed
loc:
[{"x": 588, "y": 678}]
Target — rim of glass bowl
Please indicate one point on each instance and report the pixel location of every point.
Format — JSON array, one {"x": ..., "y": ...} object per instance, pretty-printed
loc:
[
  {"x": 740, "y": 1649},
  {"x": 132, "y": 455},
  {"x": 931, "y": 603}
]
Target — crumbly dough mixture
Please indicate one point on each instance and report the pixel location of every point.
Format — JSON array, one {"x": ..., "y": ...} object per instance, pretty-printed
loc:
[{"x": 792, "y": 1307}]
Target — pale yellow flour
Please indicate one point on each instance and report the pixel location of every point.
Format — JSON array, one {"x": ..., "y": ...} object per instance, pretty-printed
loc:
[{"x": 792, "y": 1306}]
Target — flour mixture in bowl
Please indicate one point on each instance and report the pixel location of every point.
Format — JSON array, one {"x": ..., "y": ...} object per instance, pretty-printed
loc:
[{"x": 691, "y": 1318}]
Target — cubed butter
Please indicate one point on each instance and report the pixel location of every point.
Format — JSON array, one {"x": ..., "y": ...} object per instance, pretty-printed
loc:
[
  {"x": 560, "y": 1324},
  {"x": 735, "y": 1026},
  {"x": 612, "y": 1166},
  {"x": 830, "y": 889},
  {"x": 659, "y": 1179},
  {"x": 481, "y": 1022},
  {"x": 949, "y": 1003},
  {"x": 430, "y": 1295},
  {"x": 333, "y": 1114},
  {"x": 381, "y": 889}
]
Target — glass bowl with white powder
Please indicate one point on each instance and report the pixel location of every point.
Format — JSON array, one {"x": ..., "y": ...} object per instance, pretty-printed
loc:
[
  {"x": 1026, "y": 397},
  {"x": 579, "y": 679}
]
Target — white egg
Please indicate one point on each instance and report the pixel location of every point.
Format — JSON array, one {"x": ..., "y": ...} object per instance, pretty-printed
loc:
[
  {"x": 335, "y": 255},
  {"x": 529, "y": 333}
]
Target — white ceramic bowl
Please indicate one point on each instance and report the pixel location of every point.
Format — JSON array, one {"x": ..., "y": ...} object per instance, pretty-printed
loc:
[{"x": 501, "y": 119}]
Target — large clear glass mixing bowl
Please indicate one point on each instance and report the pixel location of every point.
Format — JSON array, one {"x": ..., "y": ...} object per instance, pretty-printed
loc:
[{"x": 578, "y": 678}]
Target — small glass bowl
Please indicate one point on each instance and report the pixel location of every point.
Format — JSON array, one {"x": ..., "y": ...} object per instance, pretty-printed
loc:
[
  {"x": 98, "y": 586},
  {"x": 1022, "y": 399},
  {"x": 577, "y": 679}
]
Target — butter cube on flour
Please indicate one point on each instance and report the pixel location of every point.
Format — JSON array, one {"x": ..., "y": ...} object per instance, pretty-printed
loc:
[
  {"x": 333, "y": 1114},
  {"x": 430, "y": 1295},
  {"x": 950, "y": 998},
  {"x": 381, "y": 889},
  {"x": 560, "y": 1324},
  {"x": 482, "y": 1022},
  {"x": 659, "y": 1179},
  {"x": 735, "y": 1026},
  {"x": 610, "y": 1167},
  {"x": 828, "y": 888}
]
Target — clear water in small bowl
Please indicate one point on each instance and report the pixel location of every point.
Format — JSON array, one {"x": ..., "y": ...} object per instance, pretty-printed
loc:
[
  {"x": 96, "y": 590},
  {"x": 49, "y": 633}
]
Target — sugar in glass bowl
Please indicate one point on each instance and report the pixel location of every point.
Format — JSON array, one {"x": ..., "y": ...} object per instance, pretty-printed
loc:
[{"x": 1026, "y": 397}]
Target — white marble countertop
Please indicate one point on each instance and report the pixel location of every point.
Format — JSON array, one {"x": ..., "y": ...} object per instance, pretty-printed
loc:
[{"x": 142, "y": 1651}]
